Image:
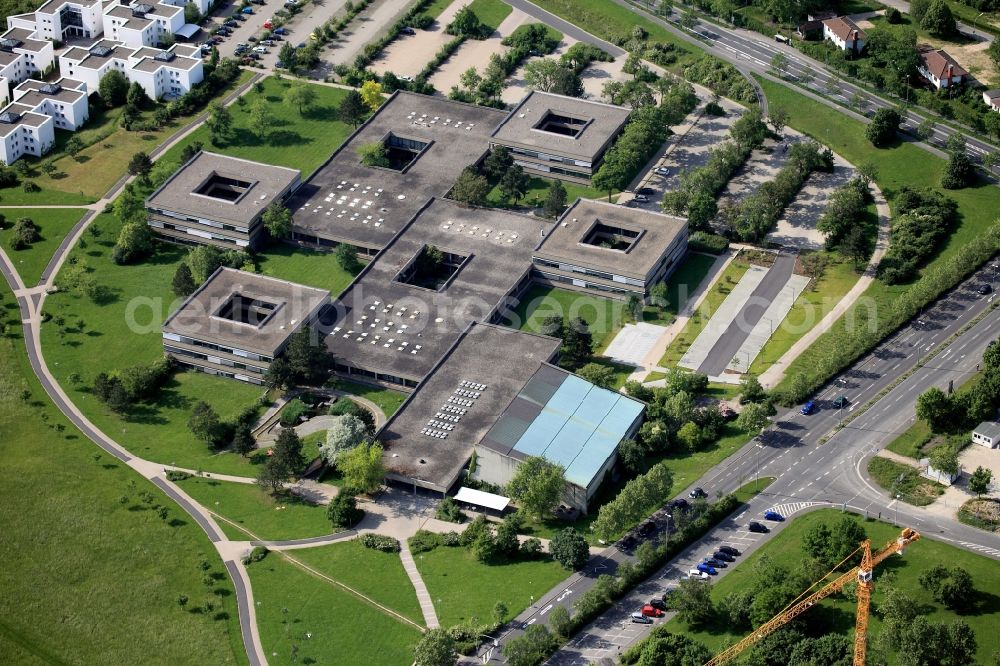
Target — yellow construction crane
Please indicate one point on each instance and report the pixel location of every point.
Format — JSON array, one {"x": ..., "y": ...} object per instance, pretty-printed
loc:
[{"x": 861, "y": 573}]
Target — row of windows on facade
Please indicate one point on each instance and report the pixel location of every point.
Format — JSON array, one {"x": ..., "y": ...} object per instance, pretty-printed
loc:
[
  {"x": 216, "y": 347},
  {"x": 217, "y": 360},
  {"x": 587, "y": 271}
]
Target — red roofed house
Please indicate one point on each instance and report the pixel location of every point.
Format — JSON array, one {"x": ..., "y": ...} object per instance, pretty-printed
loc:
[
  {"x": 845, "y": 33},
  {"x": 939, "y": 68}
]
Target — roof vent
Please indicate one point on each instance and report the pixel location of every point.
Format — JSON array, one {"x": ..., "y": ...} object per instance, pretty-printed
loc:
[
  {"x": 9, "y": 117},
  {"x": 165, "y": 56},
  {"x": 141, "y": 10},
  {"x": 50, "y": 89},
  {"x": 9, "y": 43},
  {"x": 100, "y": 51}
]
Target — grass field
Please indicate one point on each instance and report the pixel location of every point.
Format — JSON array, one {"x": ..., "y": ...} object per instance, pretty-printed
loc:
[
  {"x": 490, "y": 12},
  {"x": 808, "y": 310},
  {"x": 911, "y": 441},
  {"x": 87, "y": 577},
  {"x": 373, "y": 573},
  {"x": 304, "y": 619},
  {"x": 538, "y": 191},
  {"x": 126, "y": 331},
  {"x": 387, "y": 399},
  {"x": 904, "y": 481},
  {"x": 728, "y": 279},
  {"x": 435, "y": 8},
  {"x": 53, "y": 225},
  {"x": 462, "y": 588},
  {"x": 680, "y": 286},
  {"x": 836, "y": 614},
  {"x": 898, "y": 165},
  {"x": 87, "y": 176},
  {"x": 300, "y": 141},
  {"x": 263, "y": 515},
  {"x": 317, "y": 269},
  {"x": 610, "y": 21},
  {"x": 604, "y": 316}
]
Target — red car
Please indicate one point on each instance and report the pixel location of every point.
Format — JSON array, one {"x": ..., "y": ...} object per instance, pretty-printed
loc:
[
  {"x": 651, "y": 611},
  {"x": 268, "y": 25}
]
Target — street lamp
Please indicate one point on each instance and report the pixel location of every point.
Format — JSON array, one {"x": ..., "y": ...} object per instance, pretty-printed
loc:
[
  {"x": 895, "y": 520},
  {"x": 974, "y": 23}
]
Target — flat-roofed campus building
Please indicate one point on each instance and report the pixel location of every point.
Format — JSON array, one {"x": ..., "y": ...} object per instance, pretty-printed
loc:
[
  {"x": 218, "y": 200},
  {"x": 162, "y": 73},
  {"x": 496, "y": 392},
  {"x": 236, "y": 323},
  {"x": 428, "y": 141},
  {"x": 611, "y": 250},
  {"x": 561, "y": 137},
  {"x": 449, "y": 266}
]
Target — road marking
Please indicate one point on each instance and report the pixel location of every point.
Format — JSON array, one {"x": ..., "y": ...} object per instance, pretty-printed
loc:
[{"x": 546, "y": 609}]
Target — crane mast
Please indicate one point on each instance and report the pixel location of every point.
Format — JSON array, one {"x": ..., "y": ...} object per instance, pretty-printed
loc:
[{"x": 862, "y": 573}]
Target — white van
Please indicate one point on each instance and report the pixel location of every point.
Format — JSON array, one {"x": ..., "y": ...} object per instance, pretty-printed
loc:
[
  {"x": 782, "y": 39},
  {"x": 260, "y": 49}
]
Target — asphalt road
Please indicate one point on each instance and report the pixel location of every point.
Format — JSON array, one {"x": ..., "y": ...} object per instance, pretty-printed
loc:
[
  {"x": 752, "y": 51},
  {"x": 732, "y": 339},
  {"x": 809, "y": 474},
  {"x": 970, "y": 30}
]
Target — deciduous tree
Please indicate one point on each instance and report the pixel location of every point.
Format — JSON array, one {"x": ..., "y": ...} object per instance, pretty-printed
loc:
[
  {"x": 303, "y": 96},
  {"x": 537, "y": 485},
  {"x": 362, "y": 467},
  {"x": 570, "y": 549}
]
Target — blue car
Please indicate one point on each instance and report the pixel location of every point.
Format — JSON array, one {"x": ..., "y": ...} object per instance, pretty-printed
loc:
[
  {"x": 808, "y": 408},
  {"x": 774, "y": 515},
  {"x": 247, "y": 10},
  {"x": 280, "y": 31},
  {"x": 704, "y": 568}
]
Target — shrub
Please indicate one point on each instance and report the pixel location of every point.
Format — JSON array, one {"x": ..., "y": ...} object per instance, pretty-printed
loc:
[
  {"x": 30, "y": 186},
  {"x": 703, "y": 241},
  {"x": 381, "y": 542},
  {"x": 343, "y": 511},
  {"x": 176, "y": 475},
  {"x": 422, "y": 21},
  {"x": 449, "y": 510},
  {"x": 293, "y": 412},
  {"x": 924, "y": 219},
  {"x": 424, "y": 541},
  {"x": 256, "y": 555},
  {"x": 531, "y": 547}
]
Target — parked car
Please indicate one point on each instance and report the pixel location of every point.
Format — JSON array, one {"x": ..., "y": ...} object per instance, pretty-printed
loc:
[
  {"x": 231, "y": 23},
  {"x": 407, "y": 31},
  {"x": 679, "y": 503},
  {"x": 724, "y": 556},
  {"x": 258, "y": 2},
  {"x": 639, "y": 618},
  {"x": 627, "y": 543},
  {"x": 697, "y": 492},
  {"x": 641, "y": 198},
  {"x": 985, "y": 289},
  {"x": 649, "y": 610},
  {"x": 658, "y": 603},
  {"x": 839, "y": 402},
  {"x": 280, "y": 64},
  {"x": 645, "y": 190},
  {"x": 757, "y": 527},
  {"x": 247, "y": 10},
  {"x": 771, "y": 514},
  {"x": 301, "y": 45},
  {"x": 808, "y": 408},
  {"x": 647, "y": 528},
  {"x": 728, "y": 413},
  {"x": 260, "y": 49},
  {"x": 267, "y": 42},
  {"x": 662, "y": 171},
  {"x": 268, "y": 25},
  {"x": 729, "y": 550},
  {"x": 279, "y": 31},
  {"x": 704, "y": 568},
  {"x": 699, "y": 575},
  {"x": 712, "y": 562}
]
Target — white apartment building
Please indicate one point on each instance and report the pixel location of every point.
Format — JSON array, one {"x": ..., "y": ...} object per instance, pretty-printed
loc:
[
  {"x": 22, "y": 56},
  {"x": 142, "y": 24},
  {"x": 60, "y": 19},
  {"x": 65, "y": 101},
  {"x": 24, "y": 132},
  {"x": 161, "y": 73}
]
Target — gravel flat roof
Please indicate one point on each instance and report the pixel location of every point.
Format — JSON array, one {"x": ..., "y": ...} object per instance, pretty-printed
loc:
[{"x": 346, "y": 201}]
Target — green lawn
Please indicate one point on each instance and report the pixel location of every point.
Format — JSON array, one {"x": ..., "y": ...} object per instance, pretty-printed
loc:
[
  {"x": 904, "y": 481},
  {"x": 387, "y": 399},
  {"x": 911, "y": 441},
  {"x": 53, "y": 225},
  {"x": 538, "y": 192},
  {"x": 604, "y": 316},
  {"x": 304, "y": 619},
  {"x": 490, "y": 12},
  {"x": 317, "y": 269},
  {"x": 462, "y": 588},
  {"x": 86, "y": 177},
  {"x": 610, "y": 21},
  {"x": 264, "y": 516},
  {"x": 836, "y": 613},
  {"x": 898, "y": 165},
  {"x": 808, "y": 310},
  {"x": 373, "y": 573},
  {"x": 300, "y": 141},
  {"x": 126, "y": 331},
  {"x": 435, "y": 8},
  {"x": 720, "y": 289},
  {"x": 680, "y": 286},
  {"x": 90, "y": 574}
]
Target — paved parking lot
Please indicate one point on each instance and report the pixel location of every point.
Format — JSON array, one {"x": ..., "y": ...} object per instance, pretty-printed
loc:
[
  {"x": 797, "y": 227},
  {"x": 633, "y": 343}
]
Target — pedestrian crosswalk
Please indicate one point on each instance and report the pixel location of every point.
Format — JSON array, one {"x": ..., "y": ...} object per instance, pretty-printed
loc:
[
  {"x": 789, "y": 508},
  {"x": 986, "y": 550}
]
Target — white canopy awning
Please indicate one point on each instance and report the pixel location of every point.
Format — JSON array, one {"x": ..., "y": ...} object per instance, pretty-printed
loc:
[
  {"x": 188, "y": 30},
  {"x": 479, "y": 498}
]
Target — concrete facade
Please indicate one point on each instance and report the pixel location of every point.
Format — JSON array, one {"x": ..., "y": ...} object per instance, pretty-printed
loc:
[{"x": 161, "y": 73}]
